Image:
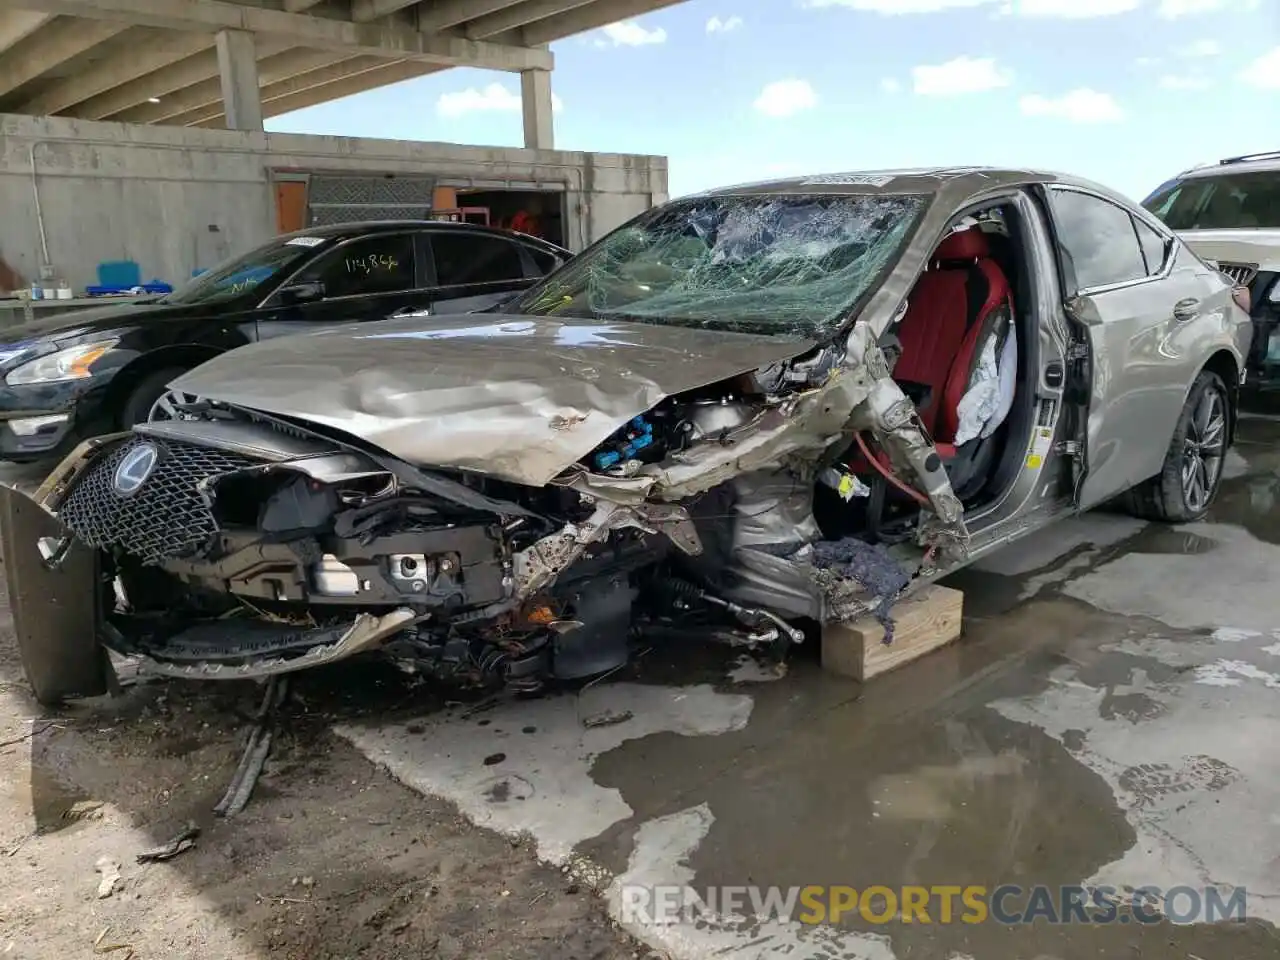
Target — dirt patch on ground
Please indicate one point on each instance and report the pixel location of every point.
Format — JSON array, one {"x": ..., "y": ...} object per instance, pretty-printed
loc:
[{"x": 331, "y": 859}]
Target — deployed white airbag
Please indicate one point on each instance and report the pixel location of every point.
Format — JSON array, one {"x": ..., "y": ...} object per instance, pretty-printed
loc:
[{"x": 989, "y": 397}]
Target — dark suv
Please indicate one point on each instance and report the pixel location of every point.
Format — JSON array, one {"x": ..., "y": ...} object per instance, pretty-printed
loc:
[{"x": 75, "y": 375}]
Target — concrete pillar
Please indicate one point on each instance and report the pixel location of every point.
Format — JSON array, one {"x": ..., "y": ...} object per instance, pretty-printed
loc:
[
  {"x": 535, "y": 98},
  {"x": 238, "y": 72}
]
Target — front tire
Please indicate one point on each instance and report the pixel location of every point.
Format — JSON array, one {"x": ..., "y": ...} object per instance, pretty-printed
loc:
[
  {"x": 145, "y": 395},
  {"x": 1187, "y": 484}
]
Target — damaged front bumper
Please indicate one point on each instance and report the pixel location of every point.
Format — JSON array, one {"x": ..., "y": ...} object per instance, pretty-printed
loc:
[{"x": 773, "y": 570}]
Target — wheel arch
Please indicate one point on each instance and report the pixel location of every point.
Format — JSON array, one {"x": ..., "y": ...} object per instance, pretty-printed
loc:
[{"x": 185, "y": 355}]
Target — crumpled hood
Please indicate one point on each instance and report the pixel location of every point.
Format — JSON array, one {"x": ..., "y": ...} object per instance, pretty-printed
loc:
[
  {"x": 515, "y": 397},
  {"x": 1237, "y": 246}
]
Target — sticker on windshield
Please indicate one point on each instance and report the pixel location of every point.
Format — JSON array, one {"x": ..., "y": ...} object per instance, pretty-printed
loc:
[
  {"x": 305, "y": 242},
  {"x": 847, "y": 179}
]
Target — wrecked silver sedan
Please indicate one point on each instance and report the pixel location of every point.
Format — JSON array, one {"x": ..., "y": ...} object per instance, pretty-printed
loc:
[{"x": 738, "y": 417}]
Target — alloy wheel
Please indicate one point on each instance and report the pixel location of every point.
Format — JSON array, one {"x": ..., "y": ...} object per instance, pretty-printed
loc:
[
  {"x": 169, "y": 406},
  {"x": 1203, "y": 450}
]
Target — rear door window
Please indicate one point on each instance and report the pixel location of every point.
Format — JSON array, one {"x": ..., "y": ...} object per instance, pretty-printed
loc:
[
  {"x": 463, "y": 258},
  {"x": 544, "y": 261},
  {"x": 1155, "y": 246},
  {"x": 1098, "y": 239}
]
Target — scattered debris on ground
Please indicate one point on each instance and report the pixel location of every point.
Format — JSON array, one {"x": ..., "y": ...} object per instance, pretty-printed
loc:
[
  {"x": 109, "y": 871},
  {"x": 181, "y": 843}
]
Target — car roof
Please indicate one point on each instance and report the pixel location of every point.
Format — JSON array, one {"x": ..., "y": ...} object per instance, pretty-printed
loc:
[
  {"x": 953, "y": 181},
  {"x": 342, "y": 231},
  {"x": 1267, "y": 162}
]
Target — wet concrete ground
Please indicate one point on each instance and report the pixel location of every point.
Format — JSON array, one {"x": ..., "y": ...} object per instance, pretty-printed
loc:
[{"x": 1109, "y": 717}]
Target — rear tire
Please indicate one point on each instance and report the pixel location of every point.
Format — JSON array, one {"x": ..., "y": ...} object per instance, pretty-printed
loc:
[
  {"x": 137, "y": 407},
  {"x": 1185, "y": 488}
]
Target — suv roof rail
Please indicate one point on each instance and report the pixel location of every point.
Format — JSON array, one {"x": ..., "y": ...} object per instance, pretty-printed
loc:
[{"x": 1265, "y": 155}]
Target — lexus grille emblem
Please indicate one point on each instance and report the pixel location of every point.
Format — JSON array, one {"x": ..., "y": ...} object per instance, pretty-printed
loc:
[{"x": 134, "y": 468}]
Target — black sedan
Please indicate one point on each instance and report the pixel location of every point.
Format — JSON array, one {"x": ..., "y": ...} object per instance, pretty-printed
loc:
[{"x": 76, "y": 375}]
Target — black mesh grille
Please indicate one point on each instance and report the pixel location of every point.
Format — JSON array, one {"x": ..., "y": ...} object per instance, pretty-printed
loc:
[{"x": 166, "y": 518}]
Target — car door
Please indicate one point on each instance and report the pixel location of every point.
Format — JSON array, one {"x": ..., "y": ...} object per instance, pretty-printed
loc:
[
  {"x": 476, "y": 269},
  {"x": 1134, "y": 293},
  {"x": 365, "y": 278}
]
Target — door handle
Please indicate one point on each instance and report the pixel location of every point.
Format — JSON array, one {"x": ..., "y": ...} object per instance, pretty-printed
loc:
[
  {"x": 1187, "y": 309},
  {"x": 410, "y": 312}
]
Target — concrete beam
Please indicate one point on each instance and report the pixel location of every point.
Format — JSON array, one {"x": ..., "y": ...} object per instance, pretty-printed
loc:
[
  {"x": 160, "y": 52},
  {"x": 53, "y": 46},
  {"x": 385, "y": 39},
  {"x": 517, "y": 16},
  {"x": 238, "y": 75},
  {"x": 162, "y": 83},
  {"x": 433, "y": 15},
  {"x": 299, "y": 82},
  {"x": 17, "y": 25},
  {"x": 207, "y": 94},
  {"x": 584, "y": 18},
  {"x": 536, "y": 105},
  {"x": 346, "y": 87}
]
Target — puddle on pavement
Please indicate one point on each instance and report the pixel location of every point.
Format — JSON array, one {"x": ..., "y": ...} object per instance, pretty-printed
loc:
[
  {"x": 914, "y": 780},
  {"x": 1158, "y": 538}
]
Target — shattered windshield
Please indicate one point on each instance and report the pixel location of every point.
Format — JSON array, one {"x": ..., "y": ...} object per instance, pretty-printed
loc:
[{"x": 755, "y": 264}]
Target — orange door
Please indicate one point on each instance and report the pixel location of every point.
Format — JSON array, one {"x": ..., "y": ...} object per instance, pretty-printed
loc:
[{"x": 291, "y": 205}]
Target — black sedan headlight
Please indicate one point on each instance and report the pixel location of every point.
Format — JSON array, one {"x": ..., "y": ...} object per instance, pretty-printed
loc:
[{"x": 69, "y": 363}]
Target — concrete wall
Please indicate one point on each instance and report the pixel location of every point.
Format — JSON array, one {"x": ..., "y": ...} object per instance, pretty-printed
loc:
[{"x": 175, "y": 198}]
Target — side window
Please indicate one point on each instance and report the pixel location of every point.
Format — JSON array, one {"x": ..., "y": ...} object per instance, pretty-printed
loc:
[
  {"x": 1155, "y": 248},
  {"x": 1099, "y": 239},
  {"x": 379, "y": 264},
  {"x": 545, "y": 262},
  {"x": 463, "y": 257}
]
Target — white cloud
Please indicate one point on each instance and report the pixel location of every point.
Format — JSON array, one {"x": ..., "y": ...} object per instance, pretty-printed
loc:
[
  {"x": 1264, "y": 72},
  {"x": 1079, "y": 106},
  {"x": 1065, "y": 9},
  {"x": 1146, "y": 61},
  {"x": 1201, "y": 48},
  {"x": 1172, "y": 9},
  {"x": 1075, "y": 9},
  {"x": 1171, "y": 81},
  {"x": 717, "y": 25},
  {"x": 890, "y": 85},
  {"x": 631, "y": 33},
  {"x": 959, "y": 76},
  {"x": 895, "y": 7},
  {"x": 782, "y": 98},
  {"x": 494, "y": 97}
]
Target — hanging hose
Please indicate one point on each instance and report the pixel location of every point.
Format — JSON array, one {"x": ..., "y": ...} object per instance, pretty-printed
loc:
[{"x": 889, "y": 474}]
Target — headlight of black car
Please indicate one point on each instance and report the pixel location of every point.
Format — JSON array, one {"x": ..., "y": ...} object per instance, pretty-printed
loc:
[{"x": 69, "y": 363}]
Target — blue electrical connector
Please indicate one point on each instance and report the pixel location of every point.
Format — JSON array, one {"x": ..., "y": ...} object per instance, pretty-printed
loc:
[{"x": 637, "y": 435}]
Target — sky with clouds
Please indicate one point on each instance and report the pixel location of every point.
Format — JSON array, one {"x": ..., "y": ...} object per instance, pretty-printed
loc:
[{"x": 1128, "y": 92}]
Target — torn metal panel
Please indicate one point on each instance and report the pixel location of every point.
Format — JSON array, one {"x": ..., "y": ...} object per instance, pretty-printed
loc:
[
  {"x": 364, "y": 632},
  {"x": 513, "y": 397}
]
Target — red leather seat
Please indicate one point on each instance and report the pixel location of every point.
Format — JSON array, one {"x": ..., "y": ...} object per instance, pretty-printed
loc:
[{"x": 953, "y": 303}]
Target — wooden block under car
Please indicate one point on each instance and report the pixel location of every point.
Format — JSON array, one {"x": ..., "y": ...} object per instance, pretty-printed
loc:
[{"x": 924, "y": 621}]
